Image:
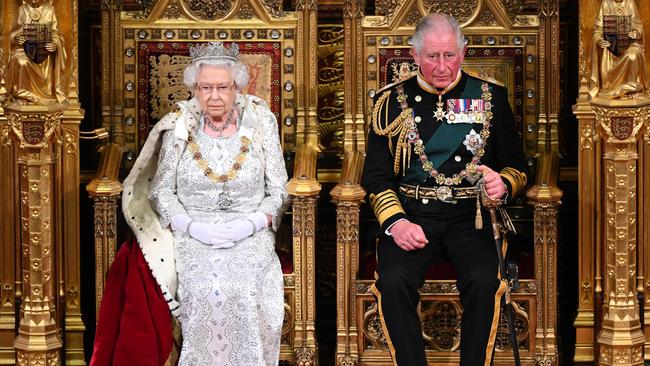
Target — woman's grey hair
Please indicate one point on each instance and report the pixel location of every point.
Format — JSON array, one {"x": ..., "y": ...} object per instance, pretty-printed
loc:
[
  {"x": 238, "y": 71},
  {"x": 437, "y": 22}
]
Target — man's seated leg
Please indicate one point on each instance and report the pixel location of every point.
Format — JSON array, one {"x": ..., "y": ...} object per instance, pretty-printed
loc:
[
  {"x": 400, "y": 274},
  {"x": 473, "y": 254}
]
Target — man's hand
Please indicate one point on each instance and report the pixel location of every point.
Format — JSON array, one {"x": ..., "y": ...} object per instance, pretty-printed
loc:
[
  {"x": 494, "y": 185},
  {"x": 408, "y": 236},
  {"x": 634, "y": 34}
]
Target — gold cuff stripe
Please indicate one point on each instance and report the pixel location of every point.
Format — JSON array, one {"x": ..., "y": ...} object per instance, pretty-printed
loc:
[
  {"x": 388, "y": 213},
  {"x": 385, "y": 205},
  {"x": 384, "y": 202},
  {"x": 378, "y": 199},
  {"x": 516, "y": 179}
]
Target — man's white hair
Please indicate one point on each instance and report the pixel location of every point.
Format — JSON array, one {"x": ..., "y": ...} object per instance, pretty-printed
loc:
[{"x": 435, "y": 23}]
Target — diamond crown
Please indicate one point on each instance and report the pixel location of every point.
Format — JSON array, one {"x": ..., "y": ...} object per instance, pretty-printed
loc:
[{"x": 215, "y": 51}]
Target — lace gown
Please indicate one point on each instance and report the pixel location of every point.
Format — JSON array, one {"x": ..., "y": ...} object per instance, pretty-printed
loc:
[{"x": 231, "y": 299}]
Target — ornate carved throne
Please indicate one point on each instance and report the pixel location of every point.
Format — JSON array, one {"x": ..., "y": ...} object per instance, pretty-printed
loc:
[
  {"x": 504, "y": 45},
  {"x": 144, "y": 53}
]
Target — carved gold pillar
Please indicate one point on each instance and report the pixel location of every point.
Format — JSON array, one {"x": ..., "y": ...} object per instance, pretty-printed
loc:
[
  {"x": 589, "y": 278},
  {"x": 353, "y": 77},
  {"x": 589, "y": 283},
  {"x": 643, "y": 276},
  {"x": 68, "y": 256},
  {"x": 112, "y": 75},
  {"x": 619, "y": 121},
  {"x": 105, "y": 190},
  {"x": 304, "y": 190},
  {"x": 36, "y": 133},
  {"x": 307, "y": 99},
  {"x": 348, "y": 196},
  {"x": 545, "y": 197},
  {"x": 9, "y": 229},
  {"x": 549, "y": 100}
]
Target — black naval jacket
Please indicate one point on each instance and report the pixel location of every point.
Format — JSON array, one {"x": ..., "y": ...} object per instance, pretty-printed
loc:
[{"x": 390, "y": 163}]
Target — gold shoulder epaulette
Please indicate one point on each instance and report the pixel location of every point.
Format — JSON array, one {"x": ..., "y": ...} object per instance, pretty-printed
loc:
[
  {"x": 382, "y": 126},
  {"x": 483, "y": 77},
  {"x": 388, "y": 86}
]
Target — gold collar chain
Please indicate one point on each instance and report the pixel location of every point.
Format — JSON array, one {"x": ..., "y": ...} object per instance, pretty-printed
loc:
[
  {"x": 205, "y": 166},
  {"x": 413, "y": 135}
]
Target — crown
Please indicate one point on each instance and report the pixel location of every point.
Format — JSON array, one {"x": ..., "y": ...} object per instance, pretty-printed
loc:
[{"x": 214, "y": 51}]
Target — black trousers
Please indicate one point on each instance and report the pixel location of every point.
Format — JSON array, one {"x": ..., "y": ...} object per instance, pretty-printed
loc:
[{"x": 450, "y": 230}]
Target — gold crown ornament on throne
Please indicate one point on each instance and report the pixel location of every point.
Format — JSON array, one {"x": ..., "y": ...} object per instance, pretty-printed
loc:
[{"x": 214, "y": 51}]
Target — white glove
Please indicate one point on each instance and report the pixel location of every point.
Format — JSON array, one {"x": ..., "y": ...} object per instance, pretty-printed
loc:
[
  {"x": 243, "y": 228},
  {"x": 212, "y": 234},
  {"x": 180, "y": 222}
]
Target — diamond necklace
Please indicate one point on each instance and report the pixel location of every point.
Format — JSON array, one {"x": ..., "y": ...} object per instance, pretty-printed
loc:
[{"x": 219, "y": 129}]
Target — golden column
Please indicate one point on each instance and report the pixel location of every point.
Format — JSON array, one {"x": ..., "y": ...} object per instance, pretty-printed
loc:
[
  {"x": 105, "y": 191},
  {"x": 545, "y": 197},
  {"x": 9, "y": 279},
  {"x": 304, "y": 190},
  {"x": 35, "y": 130},
  {"x": 619, "y": 121},
  {"x": 348, "y": 196}
]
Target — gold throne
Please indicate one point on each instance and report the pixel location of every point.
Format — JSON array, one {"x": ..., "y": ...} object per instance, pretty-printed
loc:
[
  {"x": 504, "y": 46},
  {"x": 144, "y": 77}
]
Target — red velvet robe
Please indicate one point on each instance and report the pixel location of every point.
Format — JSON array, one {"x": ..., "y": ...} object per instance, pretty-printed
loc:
[{"x": 134, "y": 326}]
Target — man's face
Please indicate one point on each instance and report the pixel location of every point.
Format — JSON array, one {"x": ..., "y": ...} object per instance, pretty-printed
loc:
[
  {"x": 439, "y": 58},
  {"x": 215, "y": 91},
  {"x": 35, "y": 3}
]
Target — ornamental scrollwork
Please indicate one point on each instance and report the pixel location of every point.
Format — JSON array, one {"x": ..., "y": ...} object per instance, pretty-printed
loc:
[
  {"x": 208, "y": 9},
  {"x": 459, "y": 9},
  {"x": 387, "y": 9},
  {"x": 305, "y": 356},
  {"x": 274, "y": 8},
  {"x": 173, "y": 11},
  {"x": 372, "y": 329}
]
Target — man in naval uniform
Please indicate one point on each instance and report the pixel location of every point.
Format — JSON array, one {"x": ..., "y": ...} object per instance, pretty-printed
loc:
[{"x": 433, "y": 137}]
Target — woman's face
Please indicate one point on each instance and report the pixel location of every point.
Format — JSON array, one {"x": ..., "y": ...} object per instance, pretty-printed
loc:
[{"x": 215, "y": 90}]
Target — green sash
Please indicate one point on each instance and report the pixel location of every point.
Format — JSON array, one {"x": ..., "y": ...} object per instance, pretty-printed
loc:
[{"x": 445, "y": 140}]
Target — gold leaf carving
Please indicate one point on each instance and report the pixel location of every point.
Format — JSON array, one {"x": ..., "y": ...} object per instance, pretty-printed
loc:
[
  {"x": 208, "y": 9},
  {"x": 274, "y": 8},
  {"x": 459, "y": 9},
  {"x": 387, "y": 9},
  {"x": 486, "y": 18},
  {"x": 246, "y": 12},
  {"x": 173, "y": 11}
]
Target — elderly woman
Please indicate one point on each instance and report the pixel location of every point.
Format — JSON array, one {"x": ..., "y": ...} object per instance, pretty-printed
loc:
[{"x": 206, "y": 194}]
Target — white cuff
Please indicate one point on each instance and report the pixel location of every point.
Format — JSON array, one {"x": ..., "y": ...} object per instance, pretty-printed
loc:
[{"x": 387, "y": 232}]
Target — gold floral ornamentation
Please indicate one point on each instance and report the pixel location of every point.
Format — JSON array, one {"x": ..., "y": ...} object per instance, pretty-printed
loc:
[
  {"x": 460, "y": 9},
  {"x": 173, "y": 11},
  {"x": 207, "y": 9},
  {"x": 209, "y": 172},
  {"x": 246, "y": 12}
]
